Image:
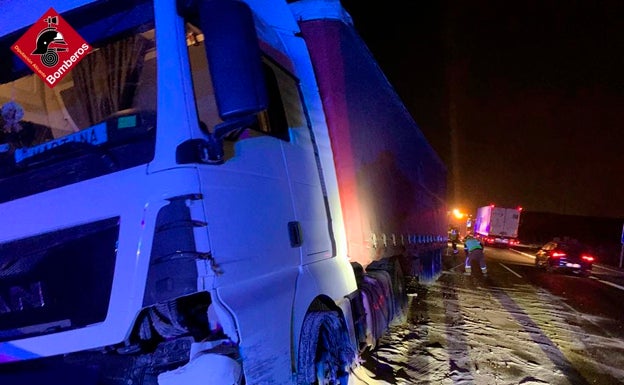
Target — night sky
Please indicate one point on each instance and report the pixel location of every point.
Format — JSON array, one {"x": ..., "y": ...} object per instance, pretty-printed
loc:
[{"x": 523, "y": 101}]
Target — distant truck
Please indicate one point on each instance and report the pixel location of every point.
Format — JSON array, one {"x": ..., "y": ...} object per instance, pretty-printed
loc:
[{"x": 498, "y": 226}]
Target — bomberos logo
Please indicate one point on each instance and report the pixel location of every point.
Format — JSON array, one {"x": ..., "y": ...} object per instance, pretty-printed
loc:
[{"x": 51, "y": 48}]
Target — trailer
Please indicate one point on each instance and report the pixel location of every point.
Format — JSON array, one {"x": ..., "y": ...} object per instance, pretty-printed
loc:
[
  {"x": 203, "y": 192},
  {"x": 498, "y": 226}
]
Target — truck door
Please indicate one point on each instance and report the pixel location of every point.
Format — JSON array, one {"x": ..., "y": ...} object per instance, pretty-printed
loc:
[
  {"x": 310, "y": 230},
  {"x": 265, "y": 213},
  {"x": 247, "y": 197}
]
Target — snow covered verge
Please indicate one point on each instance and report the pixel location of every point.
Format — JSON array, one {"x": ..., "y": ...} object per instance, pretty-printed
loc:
[{"x": 458, "y": 331}]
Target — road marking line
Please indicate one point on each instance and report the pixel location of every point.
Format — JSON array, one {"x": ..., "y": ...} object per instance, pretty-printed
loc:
[
  {"x": 523, "y": 253},
  {"x": 511, "y": 271},
  {"x": 608, "y": 283},
  {"x": 455, "y": 267},
  {"x": 603, "y": 267}
]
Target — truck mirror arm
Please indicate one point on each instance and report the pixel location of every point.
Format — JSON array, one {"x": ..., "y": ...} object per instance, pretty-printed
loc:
[
  {"x": 210, "y": 150},
  {"x": 229, "y": 127}
]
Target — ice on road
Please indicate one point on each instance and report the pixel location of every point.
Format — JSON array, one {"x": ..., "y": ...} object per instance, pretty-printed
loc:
[{"x": 459, "y": 332}]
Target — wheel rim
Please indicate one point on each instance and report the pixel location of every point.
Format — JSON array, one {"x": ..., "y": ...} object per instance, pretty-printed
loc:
[
  {"x": 324, "y": 374},
  {"x": 328, "y": 371}
]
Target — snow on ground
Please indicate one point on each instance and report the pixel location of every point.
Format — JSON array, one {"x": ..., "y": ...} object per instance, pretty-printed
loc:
[{"x": 459, "y": 332}]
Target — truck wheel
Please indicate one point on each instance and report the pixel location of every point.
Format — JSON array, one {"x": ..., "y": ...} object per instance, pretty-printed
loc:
[{"x": 325, "y": 352}]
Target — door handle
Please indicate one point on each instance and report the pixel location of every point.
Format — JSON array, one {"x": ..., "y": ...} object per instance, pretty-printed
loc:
[{"x": 294, "y": 233}]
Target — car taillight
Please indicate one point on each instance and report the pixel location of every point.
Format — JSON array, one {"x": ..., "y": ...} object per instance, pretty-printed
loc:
[
  {"x": 587, "y": 258},
  {"x": 557, "y": 254}
]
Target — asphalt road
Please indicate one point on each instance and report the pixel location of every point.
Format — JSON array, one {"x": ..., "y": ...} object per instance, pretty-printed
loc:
[
  {"x": 518, "y": 325},
  {"x": 601, "y": 295}
]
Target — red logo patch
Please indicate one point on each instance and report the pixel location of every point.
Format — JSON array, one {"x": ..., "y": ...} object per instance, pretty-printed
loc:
[{"x": 51, "y": 48}]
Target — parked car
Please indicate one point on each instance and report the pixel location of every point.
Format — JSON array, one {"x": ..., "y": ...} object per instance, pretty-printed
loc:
[{"x": 565, "y": 254}]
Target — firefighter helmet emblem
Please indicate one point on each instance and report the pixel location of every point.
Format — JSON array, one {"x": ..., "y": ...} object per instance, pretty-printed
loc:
[{"x": 49, "y": 42}]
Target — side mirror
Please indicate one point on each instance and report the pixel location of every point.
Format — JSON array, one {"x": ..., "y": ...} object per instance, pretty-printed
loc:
[{"x": 234, "y": 57}]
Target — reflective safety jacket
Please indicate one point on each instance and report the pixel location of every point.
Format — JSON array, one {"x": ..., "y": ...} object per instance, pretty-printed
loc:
[{"x": 472, "y": 244}]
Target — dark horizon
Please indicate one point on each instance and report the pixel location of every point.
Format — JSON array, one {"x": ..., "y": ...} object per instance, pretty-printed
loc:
[{"x": 522, "y": 102}]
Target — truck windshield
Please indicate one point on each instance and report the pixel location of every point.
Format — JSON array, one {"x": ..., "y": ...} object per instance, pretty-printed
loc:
[{"x": 100, "y": 118}]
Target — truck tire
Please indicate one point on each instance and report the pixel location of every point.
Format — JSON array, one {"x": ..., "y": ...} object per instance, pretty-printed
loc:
[
  {"x": 325, "y": 351},
  {"x": 393, "y": 268}
]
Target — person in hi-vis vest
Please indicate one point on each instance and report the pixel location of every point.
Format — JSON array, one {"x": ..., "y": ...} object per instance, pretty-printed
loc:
[
  {"x": 474, "y": 252},
  {"x": 454, "y": 237}
]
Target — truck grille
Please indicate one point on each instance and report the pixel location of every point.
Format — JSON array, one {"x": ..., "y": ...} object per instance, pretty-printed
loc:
[{"x": 57, "y": 281}]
